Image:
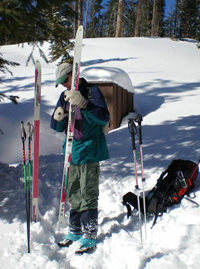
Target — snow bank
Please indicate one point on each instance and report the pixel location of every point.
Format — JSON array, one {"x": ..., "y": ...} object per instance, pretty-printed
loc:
[{"x": 108, "y": 74}]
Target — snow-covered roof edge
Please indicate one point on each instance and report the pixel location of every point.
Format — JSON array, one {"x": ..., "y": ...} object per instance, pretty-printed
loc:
[{"x": 108, "y": 74}]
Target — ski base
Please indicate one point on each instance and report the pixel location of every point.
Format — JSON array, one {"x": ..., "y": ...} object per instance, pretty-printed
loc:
[
  {"x": 35, "y": 209},
  {"x": 71, "y": 123}
]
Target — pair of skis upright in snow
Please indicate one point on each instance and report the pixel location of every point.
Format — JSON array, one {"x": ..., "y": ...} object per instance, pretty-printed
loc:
[
  {"x": 70, "y": 132},
  {"x": 27, "y": 181}
]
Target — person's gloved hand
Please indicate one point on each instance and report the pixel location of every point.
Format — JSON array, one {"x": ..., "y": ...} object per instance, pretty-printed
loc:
[
  {"x": 75, "y": 98},
  {"x": 59, "y": 114}
]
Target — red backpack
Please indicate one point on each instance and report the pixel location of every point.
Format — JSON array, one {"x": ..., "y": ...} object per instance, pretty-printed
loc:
[{"x": 175, "y": 182}]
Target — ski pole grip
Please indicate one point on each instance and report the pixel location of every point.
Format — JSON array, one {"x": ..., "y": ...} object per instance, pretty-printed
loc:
[
  {"x": 133, "y": 131},
  {"x": 131, "y": 126},
  {"x": 139, "y": 118},
  {"x": 23, "y": 133},
  {"x": 30, "y": 130},
  {"x": 139, "y": 121},
  {"x": 140, "y": 133}
]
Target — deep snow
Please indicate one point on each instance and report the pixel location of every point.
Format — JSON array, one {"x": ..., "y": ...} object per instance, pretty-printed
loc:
[{"x": 166, "y": 81}]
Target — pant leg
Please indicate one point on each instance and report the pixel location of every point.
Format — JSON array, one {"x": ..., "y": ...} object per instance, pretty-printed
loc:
[
  {"x": 83, "y": 192},
  {"x": 89, "y": 199},
  {"x": 74, "y": 198},
  {"x": 89, "y": 221},
  {"x": 75, "y": 222},
  {"x": 73, "y": 187},
  {"x": 89, "y": 184}
]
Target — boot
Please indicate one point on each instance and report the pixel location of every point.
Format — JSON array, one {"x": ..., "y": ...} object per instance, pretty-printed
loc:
[{"x": 69, "y": 239}]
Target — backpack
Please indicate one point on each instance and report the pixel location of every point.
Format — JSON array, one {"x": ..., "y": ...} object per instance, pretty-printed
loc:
[{"x": 175, "y": 182}]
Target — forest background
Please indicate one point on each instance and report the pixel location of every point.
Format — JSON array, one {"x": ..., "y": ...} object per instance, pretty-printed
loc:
[{"x": 56, "y": 21}]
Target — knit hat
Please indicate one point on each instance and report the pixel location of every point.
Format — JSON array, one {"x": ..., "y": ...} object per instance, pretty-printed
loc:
[{"x": 61, "y": 72}]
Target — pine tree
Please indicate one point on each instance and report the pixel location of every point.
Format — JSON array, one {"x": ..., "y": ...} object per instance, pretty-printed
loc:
[
  {"x": 189, "y": 12},
  {"x": 184, "y": 20},
  {"x": 4, "y": 65},
  {"x": 95, "y": 19},
  {"x": 146, "y": 17},
  {"x": 38, "y": 21},
  {"x": 86, "y": 17},
  {"x": 129, "y": 18},
  {"x": 157, "y": 18},
  {"x": 138, "y": 18}
]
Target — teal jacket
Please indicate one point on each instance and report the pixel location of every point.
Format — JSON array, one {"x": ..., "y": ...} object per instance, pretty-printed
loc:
[{"x": 89, "y": 143}]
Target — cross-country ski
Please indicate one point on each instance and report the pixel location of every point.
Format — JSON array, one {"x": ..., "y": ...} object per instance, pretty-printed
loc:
[
  {"x": 37, "y": 99},
  {"x": 71, "y": 122}
]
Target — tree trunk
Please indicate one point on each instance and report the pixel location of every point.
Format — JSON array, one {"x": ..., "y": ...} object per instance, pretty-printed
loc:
[
  {"x": 154, "y": 18},
  {"x": 80, "y": 12},
  {"x": 118, "y": 32},
  {"x": 86, "y": 14},
  {"x": 138, "y": 18}
]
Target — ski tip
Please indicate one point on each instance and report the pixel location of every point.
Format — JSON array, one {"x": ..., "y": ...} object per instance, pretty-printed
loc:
[
  {"x": 80, "y": 27},
  {"x": 37, "y": 63}
]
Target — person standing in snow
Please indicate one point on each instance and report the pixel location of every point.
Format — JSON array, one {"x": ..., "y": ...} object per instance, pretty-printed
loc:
[{"x": 89, "y": 148}]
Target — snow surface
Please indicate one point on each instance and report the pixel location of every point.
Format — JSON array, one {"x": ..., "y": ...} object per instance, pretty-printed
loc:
[{"x": 166, "y": 79}]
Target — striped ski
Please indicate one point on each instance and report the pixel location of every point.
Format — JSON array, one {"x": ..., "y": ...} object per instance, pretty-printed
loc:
[
  {"x": 71, "y": 123},
  {"x": 37, "y": 99}
]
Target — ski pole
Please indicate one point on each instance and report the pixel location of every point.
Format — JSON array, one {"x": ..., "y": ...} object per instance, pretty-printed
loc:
[
  {"x": 23, "y": 137},
  {"x": 133, "y": 131},
  {"x": 139, "y": 121}
]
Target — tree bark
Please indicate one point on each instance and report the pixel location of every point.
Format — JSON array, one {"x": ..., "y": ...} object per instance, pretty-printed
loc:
[
  {"x": 119, "y": 32},
  {"x": 138, "y": 18},
  {"x": 86, "y": 14},
  {"x": 154, "y": 18}
]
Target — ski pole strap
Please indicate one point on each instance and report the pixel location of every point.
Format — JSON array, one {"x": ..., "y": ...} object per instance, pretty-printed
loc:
[
  {"x": 137, "y": 118},
  {"x": 133, "y": 130},
  {"x": 132, "y": 127},
  {"x": 23, "y": 132}
]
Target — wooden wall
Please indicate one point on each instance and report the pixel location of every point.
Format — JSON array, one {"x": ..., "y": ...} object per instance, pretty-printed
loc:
[{"x": 120, "y": 101}]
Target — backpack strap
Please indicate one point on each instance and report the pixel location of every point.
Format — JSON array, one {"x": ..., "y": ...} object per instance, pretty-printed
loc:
[
  {"x": 191, "y": 200},
  {"x": 155, "y": 218},
  {"x": 89, "y": 92},
  {"x": 131, "y": 199},
  {"x": 128, "y": 209}
]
